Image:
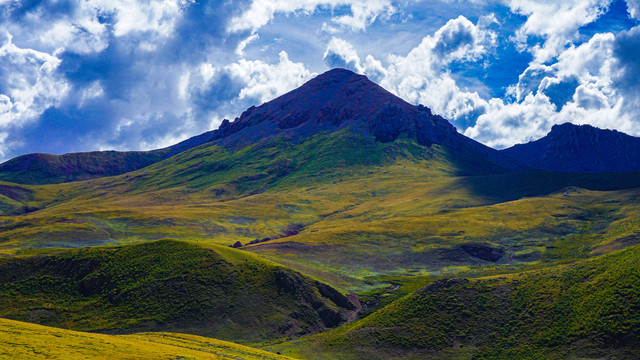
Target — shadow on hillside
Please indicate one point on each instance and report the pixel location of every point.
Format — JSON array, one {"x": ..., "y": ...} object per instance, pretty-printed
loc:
[{"x": 513, "y": 186}]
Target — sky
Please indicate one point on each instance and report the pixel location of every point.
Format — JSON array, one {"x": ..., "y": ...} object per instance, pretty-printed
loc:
[{"x": 84, "y": 75}]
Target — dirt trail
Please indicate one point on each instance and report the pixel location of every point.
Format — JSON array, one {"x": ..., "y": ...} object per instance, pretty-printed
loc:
[
  {"x": 511, "y": 251},
  {"x": 353, "y": 315}
]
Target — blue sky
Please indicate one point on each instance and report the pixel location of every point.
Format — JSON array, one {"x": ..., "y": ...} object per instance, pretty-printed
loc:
[{"x": 81, "y": 75}]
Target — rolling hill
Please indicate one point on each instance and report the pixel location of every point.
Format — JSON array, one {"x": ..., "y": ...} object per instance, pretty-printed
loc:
[
  {"x": 586, "y": 310},
  {"x": 39, "y": 169},
  {"x": 168, "y": 285}
]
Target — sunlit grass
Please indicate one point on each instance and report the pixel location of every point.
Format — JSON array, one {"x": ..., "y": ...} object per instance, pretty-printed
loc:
[{"x": 19, "y": 340}]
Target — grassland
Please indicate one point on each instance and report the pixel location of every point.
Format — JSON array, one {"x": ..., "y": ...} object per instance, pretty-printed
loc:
[
  {"x": 19, "y": 340},
  {"x": 361, "y": 211}
]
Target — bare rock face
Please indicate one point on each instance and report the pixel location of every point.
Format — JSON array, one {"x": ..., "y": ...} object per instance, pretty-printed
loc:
[
  {"x": 334, "y": 100},
  {"x": 580, "y": 148}
]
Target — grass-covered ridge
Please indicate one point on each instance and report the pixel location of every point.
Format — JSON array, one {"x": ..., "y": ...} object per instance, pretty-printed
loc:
[
  {"x": 587, "y": 310},
  {"x": 19, "y": 340},
  {"x": 37, "y": 169},
  {"x": 168, "y": 285}
]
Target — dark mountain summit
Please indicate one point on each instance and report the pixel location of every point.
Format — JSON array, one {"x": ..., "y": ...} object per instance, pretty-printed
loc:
[
  {"x": 341, "y": 99},
  {"x": 580, "y": 148},
  {"x": 334, "y": 100}
]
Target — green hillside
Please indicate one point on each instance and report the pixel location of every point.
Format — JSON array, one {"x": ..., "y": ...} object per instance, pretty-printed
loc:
[
  {"x": 168, "y": 285},
  {"x": 586, "y": 310},
  {"x": 40, "y": 169}
]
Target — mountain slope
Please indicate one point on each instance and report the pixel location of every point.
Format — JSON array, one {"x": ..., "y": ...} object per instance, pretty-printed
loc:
[
  {"x": 19, "y": 340},
  {"x": 586, "y": 310},
  {"x": 580, "y": 148},
  {"x": 167, "y": 285},
  {"x": 38, "y": 169}
]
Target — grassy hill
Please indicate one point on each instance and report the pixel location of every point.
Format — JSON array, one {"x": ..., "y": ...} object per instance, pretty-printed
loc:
[
  {"x": 19, "y": 340},
  {"x": 53, "y": 169},
  {"x": 40, "y": 169},
  {"x": 586, "y": 310},
  {"x": 168, "y": 285}
]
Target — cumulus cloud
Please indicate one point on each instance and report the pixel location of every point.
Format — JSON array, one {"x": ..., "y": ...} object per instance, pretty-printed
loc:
[
  {"x": 30, "y": 85},
  {"x": 261, "y": 12},
  {"x": 633, "y": 6},
  {"x": 341, "y": 54},
  {"x": 266, "y": 81},
  {"x": 112, "y": 69},
  {"x": 627, "y": 78},
  {"x": 422, "y": 75},
  {"x": 557, "y": 22}
]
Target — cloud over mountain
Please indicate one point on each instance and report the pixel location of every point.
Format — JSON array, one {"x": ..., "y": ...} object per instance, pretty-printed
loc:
[{"x": 140, "y": 74}]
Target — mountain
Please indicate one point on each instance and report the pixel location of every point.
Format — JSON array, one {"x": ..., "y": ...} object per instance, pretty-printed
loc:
[
  {"x": 39, "y": 169},
  {"x": 580, "y": 148},
  {"x": 336, "y": 100},
  {"x": 340, "y": 99},
  {"x": 168, "y": 285},
  {"x": 295, "y": 194}
]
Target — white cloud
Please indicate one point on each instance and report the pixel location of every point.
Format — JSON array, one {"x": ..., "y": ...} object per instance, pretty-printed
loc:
[
  {"x": 364, "y": 12},
  {"x": 595, "y": 100},
  {"x": 156, "y": 16},
  {"x": 506, "y": 124},
  {"x": 633, "y": 6},
  {"x": 422, "y": 75},
  {"x": 340, "y": 53},
  {"x": 82, "y": 32},
  {"x": 556, "y": 21},
  {"x": 31, "y": 81},
  {"x": 266, "y": 81},
  {"x": 261, "y": 12},
  {"x": 85, "y": 36},
  {"x": 243, "y": 44},
  {"x": 95, "y": 90}
]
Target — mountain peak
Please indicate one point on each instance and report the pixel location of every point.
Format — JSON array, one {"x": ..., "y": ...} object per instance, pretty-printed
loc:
[
  {"x": 580, "y": 148},
  {"x": 586, "y": 130},
  {"x": 334, "y": 100},
  {"x": 337, "y": 74}
]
